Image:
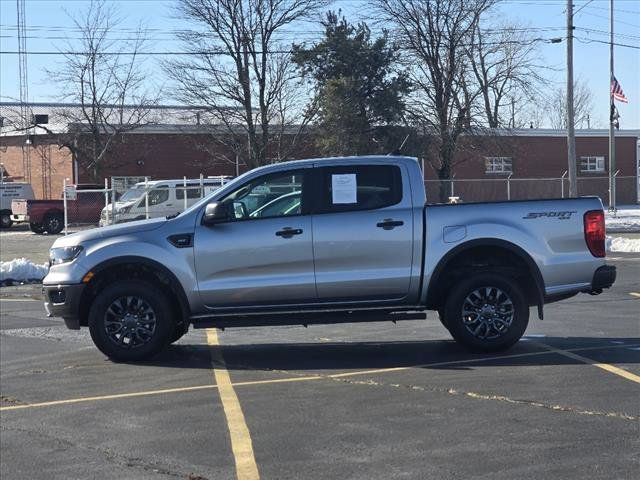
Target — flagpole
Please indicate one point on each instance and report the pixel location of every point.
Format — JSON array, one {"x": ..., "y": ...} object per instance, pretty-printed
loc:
[{"x": 612, "y": 132}]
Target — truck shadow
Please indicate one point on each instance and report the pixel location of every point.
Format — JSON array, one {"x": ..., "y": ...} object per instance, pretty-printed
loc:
[{"x": 432, "y": 354}]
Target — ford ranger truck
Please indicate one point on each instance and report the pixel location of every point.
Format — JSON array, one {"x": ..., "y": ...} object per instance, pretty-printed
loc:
[{"x": 327, "y": 241}]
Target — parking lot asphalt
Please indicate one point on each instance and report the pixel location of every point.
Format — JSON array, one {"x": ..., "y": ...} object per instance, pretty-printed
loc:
[{"x": 357, "y": 401}]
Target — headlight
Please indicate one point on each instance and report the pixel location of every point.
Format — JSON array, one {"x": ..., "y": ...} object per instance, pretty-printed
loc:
[
  {"x": 63, "y": 254},
  {"x": 124, "y": 209}
]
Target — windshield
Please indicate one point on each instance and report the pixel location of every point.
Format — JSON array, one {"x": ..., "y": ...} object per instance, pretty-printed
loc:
[{"x": 132, "y": 194}]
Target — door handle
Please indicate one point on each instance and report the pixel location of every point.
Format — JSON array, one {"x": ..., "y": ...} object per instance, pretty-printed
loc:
[
  {"x": 389, "y": 224},
  {"x": 288, "y": 232}
]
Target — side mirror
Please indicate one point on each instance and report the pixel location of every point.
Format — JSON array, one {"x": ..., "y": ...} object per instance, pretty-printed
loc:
[{"x": 215, "y": 212}]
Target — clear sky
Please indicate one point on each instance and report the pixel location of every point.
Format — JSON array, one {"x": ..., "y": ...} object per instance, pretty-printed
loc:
[{"x": 48, "y": 24}]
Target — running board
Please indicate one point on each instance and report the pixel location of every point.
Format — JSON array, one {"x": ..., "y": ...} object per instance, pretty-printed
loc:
[{"x": 304, "y": 319}]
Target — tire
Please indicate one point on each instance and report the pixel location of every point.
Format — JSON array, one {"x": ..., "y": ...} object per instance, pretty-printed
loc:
[
  {"x": 5, "y": 219},
  {"x": 37, "y": 228},
  {"x": 496, "y": 313},
  {"x": 178, "y": 332},
  {"x": 137, "y": 309},
  {"x": 442, "y": 319},
  {"x": 53, "y": 223}
]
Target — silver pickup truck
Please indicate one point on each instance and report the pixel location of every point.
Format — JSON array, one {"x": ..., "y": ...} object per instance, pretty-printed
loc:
[{"x": 327, "y": 241}]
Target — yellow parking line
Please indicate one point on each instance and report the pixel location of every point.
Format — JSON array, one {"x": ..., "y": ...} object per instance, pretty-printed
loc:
[
  {"x": 604, "y": 366},
  {"x": 108, "y": 397},
  {"x": 241, "y": 445},
  {"x": 312, "y": 377},
  {"x": 634, "y": 294}
]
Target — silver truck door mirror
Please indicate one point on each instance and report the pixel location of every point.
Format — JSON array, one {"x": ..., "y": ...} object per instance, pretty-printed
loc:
[{"x": 216, "y": 212}]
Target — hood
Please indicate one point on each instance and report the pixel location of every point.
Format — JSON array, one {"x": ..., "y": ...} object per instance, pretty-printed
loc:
[
  {"x": 120, "y": 205},
  {"x": 111, "y": 231}
]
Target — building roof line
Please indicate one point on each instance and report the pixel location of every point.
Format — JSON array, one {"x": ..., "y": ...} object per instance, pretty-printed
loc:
[{"x": 79, "y": 105}]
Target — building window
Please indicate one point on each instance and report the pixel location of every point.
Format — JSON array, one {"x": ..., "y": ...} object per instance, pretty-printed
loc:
[
  {"x": 499, "y": 165},
  {"x": 592, "y": 164}
]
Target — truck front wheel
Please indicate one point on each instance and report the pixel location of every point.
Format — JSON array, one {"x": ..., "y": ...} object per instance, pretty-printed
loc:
[
  {"x": 486, "y": 312},
  {"x": 130, "y": 321}
]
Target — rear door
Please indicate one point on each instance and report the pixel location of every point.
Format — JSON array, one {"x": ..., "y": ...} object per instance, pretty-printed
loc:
[{"x": 362, "y": 233}]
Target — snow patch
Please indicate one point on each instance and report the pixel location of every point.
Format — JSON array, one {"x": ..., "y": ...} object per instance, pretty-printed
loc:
[
  {"x": 621, "y": 244},
  {"x": 21, "y": 270},
  {"x": 625, "y": 219}
]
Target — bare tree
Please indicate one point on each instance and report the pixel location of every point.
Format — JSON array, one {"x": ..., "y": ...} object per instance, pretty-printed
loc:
[
  {"x": 237, "y": 67},
  {"x": 105, "y": 79},
  {"x": 556, "y": 107},
  {"x": 505, "y": 71},
  {"x": 436, "y": 34}
]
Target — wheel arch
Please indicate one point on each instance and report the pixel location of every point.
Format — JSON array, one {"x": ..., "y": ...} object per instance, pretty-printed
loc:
[
  {"x": 140, "y": 267},
  {"x": 488, "y": 246}
]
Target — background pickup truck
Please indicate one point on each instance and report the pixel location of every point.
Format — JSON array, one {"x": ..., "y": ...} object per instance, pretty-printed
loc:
[
  {"x": 351, "y": 240},
  {"x": 48, "y": 215}
]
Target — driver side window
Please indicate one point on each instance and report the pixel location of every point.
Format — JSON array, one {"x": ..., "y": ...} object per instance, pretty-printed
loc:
[
  {"x": 275, "y": 195},
  {"x": 159, "y": 195}
]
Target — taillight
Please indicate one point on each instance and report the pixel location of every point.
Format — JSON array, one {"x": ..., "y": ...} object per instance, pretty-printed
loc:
[{"x": 594, "y": 232}]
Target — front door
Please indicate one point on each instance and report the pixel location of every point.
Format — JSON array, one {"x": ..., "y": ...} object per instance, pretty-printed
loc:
[
  {"x": 362, "y": 233},
  {"x": 263, "y": 256}
]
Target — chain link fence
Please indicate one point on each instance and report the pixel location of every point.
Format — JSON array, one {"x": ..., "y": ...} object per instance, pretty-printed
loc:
[
  {"x": 134, "y": 200},
  {"x": 139, "y": 198},
  {"x": 506, "y": 189}
]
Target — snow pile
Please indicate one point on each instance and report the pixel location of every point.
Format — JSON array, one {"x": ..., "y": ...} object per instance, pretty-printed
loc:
[
  {"x": 622, "y": 244},
  {"x": 626, "y": 219},
  {"x": 21, "y": 270}
]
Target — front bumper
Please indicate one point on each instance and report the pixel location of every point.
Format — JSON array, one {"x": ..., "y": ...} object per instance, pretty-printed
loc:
[
  {"x": 20, "y": 218},
  {"x": 603, "y": 277},
  {"x": 64, "y": 301}
]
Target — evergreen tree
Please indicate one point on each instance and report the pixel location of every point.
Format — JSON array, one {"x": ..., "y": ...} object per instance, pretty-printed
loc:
[{"x": 359, "y": 95}]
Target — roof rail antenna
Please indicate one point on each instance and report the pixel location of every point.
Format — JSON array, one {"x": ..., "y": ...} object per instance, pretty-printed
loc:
[{"x": 398, "y": 151}]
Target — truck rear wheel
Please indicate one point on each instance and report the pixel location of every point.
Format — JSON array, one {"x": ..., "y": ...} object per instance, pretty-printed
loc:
[
  {"x": 53, "y": 223},
  {"x": 5, "y": 219},
  {"x": 130, "y": 321},
  {"x": 486, "y": 312}
]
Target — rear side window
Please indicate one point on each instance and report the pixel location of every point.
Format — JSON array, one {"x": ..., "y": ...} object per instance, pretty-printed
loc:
[{"x": 366, "y": 187}]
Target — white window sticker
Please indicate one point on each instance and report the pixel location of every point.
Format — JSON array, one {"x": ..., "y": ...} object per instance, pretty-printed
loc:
[{"x": 344, "y": 188}]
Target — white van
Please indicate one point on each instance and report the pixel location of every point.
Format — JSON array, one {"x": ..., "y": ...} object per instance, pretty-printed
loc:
[
  {"x": 10, "y": 191},
  {"x": 165, "y": 197}
]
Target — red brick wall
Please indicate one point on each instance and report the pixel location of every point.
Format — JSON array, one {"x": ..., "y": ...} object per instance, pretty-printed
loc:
[
  {"x": 162, "y": 156},
  {"x": 49, "y": 164},
  {"x": 541, "y": 157}
]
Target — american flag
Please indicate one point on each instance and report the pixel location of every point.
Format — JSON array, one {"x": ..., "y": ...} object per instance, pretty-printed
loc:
[{"x": 616, "y": 91}]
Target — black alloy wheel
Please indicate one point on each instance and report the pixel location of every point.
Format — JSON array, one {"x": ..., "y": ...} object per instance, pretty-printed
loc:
[
  {"x": 131, "y": 320},
  {"x": 486, "y": 312},
  {"x": 53, "y": 223}
]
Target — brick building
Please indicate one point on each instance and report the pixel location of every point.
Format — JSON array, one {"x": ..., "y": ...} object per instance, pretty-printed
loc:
[
  {"x": 535, "y": 161},
  {"x": 527, "y": 163}
]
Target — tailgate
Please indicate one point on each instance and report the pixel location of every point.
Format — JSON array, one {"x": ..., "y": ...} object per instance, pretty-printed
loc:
[{"x": 19, "y": 207}]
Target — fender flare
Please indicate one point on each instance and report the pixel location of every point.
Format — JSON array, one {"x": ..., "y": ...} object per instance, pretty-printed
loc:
[
  {"x": 155, "y": 265},
  {"x": 489, "y": 242}
]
